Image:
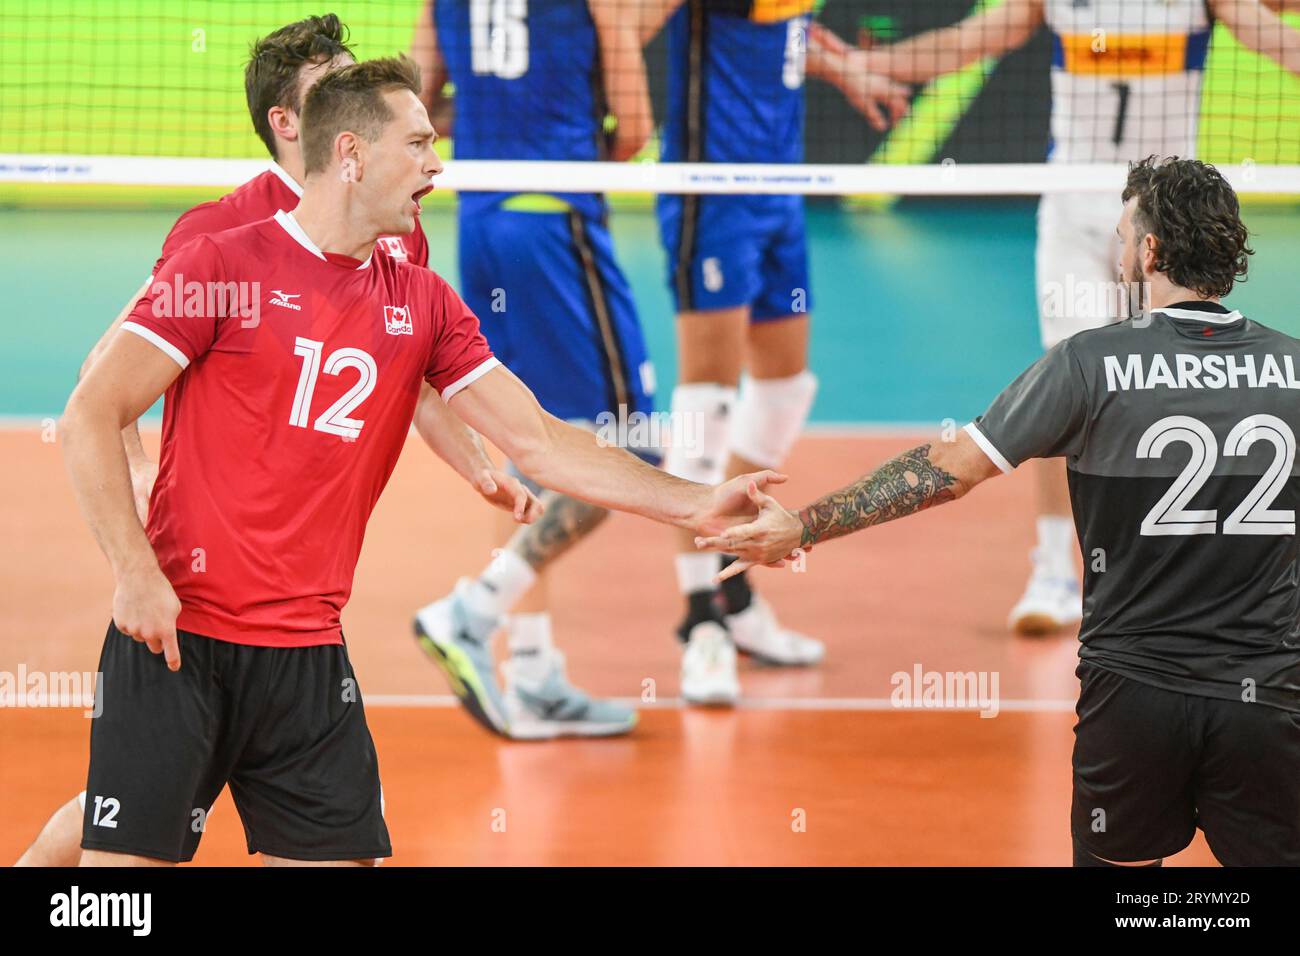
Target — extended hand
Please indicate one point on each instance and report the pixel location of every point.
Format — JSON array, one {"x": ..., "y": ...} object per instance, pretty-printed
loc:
[
  {"x": 730, "y": 503},
  {"x": 867, "y": 91},
  {"x": 145, "y": 608},
  {"x": 768, "y": 539},
  {"x": 509, "y": 494}
]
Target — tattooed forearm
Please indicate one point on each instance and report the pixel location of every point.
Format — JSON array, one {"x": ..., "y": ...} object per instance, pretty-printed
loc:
[
  {"x": 564, "y": 523},
  {"x": 906, "y": 483}
]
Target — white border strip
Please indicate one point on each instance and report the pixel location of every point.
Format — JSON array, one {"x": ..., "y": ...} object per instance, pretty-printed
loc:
[
  {"x": 149, "y": 335},
  {"x": 1029, "y": 179},
  {"x": 852, "y": 704},
  {"x": 986, "y": 446},
  {"x": 1201, "y": 315},
  {"x": 469, "y": 378}
]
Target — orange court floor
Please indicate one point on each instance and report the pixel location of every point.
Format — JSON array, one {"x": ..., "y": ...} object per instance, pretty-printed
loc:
[{"x": 817, "y": 766}]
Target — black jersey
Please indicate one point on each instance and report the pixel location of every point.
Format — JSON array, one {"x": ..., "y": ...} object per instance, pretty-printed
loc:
[{"x": 1179, "y": 431}]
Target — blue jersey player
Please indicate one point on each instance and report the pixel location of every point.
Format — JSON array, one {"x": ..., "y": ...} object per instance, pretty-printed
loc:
[
  {"x": 535, "y": 81},
  {"x": 738, "y": 271}
]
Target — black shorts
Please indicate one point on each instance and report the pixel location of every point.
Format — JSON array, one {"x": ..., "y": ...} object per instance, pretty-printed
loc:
[
  {"x": 284, "y": 726},
  {"x": 1151, "y": 765}
]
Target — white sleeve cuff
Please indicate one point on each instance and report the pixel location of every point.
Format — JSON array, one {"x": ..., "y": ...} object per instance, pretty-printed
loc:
[
  {"x": 469, "y": 378},
  {"x": 986, "y": 446},
  {"x": 149, "y": 335}
]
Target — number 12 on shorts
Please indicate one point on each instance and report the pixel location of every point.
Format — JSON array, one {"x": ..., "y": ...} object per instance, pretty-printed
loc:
[{"x": 334, "y": 420}]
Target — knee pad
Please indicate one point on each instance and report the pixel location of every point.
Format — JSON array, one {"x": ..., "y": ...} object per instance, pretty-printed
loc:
[
  {"x": 770, "y": 414},
  {"x": 701, "y": 418}
]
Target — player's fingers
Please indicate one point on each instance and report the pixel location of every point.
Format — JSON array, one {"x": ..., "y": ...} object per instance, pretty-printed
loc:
[
  {"x": 731, "y": 570},
  {"x": 153, "y": 643},
  {"x": 871, "y": 110},
  {"x": 521, "y": 502},
  {"x": 486, "y": 484},
  {"x": 900, "y": 105},
  {"x": 171, "y": 649},
  {"x": 760, "y": 499},
  {"x": 768, "y": 477}
]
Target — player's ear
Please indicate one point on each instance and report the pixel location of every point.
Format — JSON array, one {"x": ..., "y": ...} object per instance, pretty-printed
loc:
[
  {"x": 284, "y": 123},
  {"x": 348, "y": 151},
  {"x": 1149, "y": 253}
]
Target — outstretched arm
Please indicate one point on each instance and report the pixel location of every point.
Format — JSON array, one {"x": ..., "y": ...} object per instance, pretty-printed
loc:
[
  {"x": 1262, "y": 30},
  {"x": 846, "y": 69},
  {"x": 576, "y": 462},
  {"x": 912, "y": 481},
  {"x": 991, "y": 32}
]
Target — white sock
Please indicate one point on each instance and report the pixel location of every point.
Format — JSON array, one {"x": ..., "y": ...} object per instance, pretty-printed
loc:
[
  {"x": 529, "y": 640},
  {"x": 696, "y": 571},
  {"x": 503, "y": 582},
  {"x": 1056, "y": 539}
]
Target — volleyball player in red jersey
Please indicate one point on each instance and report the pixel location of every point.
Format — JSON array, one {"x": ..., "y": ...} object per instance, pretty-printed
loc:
[
  {"x": 282, "y": 67},
  {"x": 279, "y": 433}
]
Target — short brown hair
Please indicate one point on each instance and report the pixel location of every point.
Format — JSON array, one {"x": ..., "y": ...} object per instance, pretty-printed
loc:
[
  {"x": 352, "y": 99},
  {"x": 271, "y": 77},
  {"x": 1196, "y": 219}
]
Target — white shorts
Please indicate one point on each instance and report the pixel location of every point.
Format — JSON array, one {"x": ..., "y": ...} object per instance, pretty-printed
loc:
[{"x": 1077, "y": 259}]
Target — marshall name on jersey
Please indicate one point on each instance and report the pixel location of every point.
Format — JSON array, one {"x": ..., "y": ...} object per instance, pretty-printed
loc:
[{"x": 1126, "y": 77}]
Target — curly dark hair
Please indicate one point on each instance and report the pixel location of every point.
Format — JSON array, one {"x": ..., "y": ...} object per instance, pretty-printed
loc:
[
  {"x": 351, "y": 98},
  {"x": 1196, "y": 219},
  {"x": 271, "y": 77}
]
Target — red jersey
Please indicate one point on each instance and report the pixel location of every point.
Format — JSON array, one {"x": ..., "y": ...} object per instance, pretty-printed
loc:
[
  {"x": 261, "y": 198},
  {"x": 301, "y": 374}
]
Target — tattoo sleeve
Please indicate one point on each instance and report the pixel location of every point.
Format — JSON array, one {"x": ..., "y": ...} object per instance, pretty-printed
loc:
[
  {"x": 906, "y": 483},
  {"x": 564, "y": 523}
]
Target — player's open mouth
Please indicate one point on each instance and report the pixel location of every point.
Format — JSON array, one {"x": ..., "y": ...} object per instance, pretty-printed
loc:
[{"x": 420, "y": 194}]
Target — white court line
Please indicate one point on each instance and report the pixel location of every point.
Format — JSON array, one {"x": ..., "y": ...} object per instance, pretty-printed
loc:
[
  {"x": 21, "y": 423},
  {"x": 1045, "y": 705}
]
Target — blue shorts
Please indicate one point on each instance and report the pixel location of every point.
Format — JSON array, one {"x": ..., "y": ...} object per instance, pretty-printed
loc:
[
  {"x": 557, "y": 310},
  {"x": 727, "y": 251}
]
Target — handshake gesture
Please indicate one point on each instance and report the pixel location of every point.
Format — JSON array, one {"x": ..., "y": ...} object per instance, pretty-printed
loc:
[{"x": 756, "y": 528}]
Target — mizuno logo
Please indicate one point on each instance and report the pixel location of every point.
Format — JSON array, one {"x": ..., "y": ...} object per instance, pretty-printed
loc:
[{"x": 282, "y": 300}]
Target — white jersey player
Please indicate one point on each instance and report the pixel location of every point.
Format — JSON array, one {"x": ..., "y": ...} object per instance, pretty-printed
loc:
[{"x": 1126, "y": 84}]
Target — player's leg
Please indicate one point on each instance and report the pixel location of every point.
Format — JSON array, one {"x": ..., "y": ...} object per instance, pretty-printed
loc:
[
  {"x": 713, "y": 257},
  {"x": 59, "y": 842},
  {"x": 305, "y": 778},
  {"x": 156, "y": 759},
  {"x": 572, "y": 335},
  {"x": 1134, "y": 767},
  {"x": 1246, "y": 793},
  {"x": 1075, "y": 263},
  {"x": 710, "y": 346},
  {"x": 773, "y": 405}
]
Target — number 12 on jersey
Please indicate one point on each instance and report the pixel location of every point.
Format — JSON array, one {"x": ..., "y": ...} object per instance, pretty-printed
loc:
[{"x": 334, "y": 420}]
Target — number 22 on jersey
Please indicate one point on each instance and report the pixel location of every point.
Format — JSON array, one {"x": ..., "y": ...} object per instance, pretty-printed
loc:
[{"x": 1254, "y": 515}]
